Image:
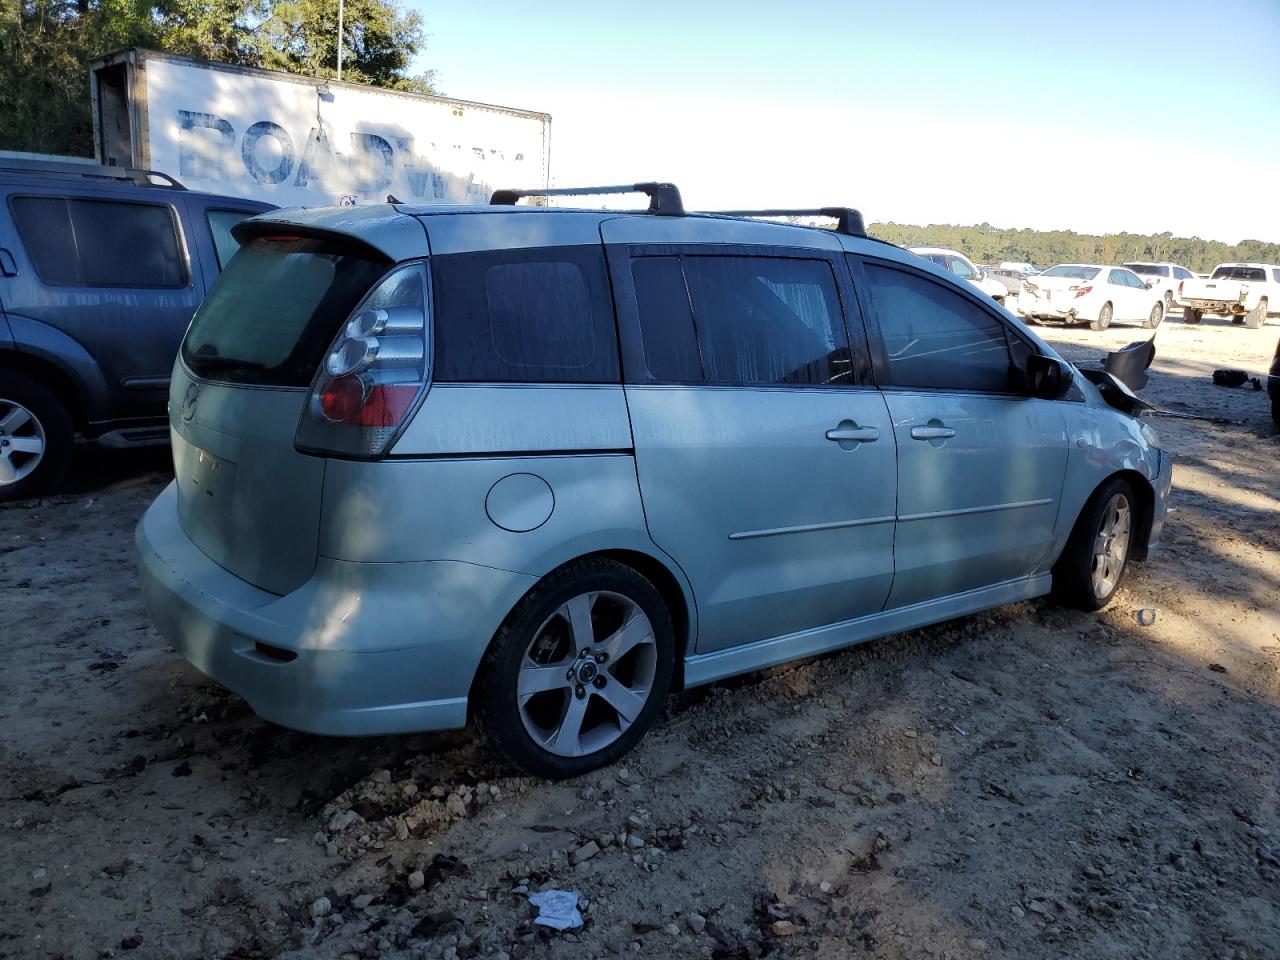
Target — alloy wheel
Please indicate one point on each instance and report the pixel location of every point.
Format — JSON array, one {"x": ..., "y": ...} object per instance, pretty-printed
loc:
[
  {"x": 22, "y": 442},
  {"x": 1111, "y": 545},
  {"x": 587, "y": 674}
]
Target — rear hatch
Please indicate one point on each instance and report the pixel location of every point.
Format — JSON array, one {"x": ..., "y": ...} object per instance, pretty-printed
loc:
[{"x": 246, "y": 496}]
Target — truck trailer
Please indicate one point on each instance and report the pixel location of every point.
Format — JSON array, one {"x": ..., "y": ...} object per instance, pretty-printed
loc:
[{"x": 293, "y": 140}]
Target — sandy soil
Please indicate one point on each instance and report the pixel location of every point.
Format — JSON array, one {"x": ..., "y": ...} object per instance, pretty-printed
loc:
[{"x": 1025, "y": 783}]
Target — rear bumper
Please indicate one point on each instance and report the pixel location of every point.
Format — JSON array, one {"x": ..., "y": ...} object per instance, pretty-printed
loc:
[
  {"x": 1043, "y": 309},
  {"x": 377, "y": 647}
]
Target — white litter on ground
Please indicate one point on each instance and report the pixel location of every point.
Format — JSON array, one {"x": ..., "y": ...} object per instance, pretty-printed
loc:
[{"x": 557, "y": 909}]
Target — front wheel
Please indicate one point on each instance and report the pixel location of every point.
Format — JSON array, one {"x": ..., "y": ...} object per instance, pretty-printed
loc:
[
  {"x": 1155, "y": 316},
  {"x": 578, "y": 671},
  {"x": 1257, "y": 316},
  {"x": 36, "y": 438},
  {"x": 1094, "y": 560},
  {"x": 1104, "y": 318}
]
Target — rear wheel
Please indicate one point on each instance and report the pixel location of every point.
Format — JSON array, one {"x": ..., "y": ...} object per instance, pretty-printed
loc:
[
  {"x": 36, "y": 438},
  {"x": 579, "y": 670},
  {"x": 1191, "y": 316},
  {"x": 1168, "y": 302},
  {"x": 1257, "y": 316},
  {"x": 1094, "y": 560},
  {"x": 1155, "y": 316},
  {"x": 1104, "y": 318}
]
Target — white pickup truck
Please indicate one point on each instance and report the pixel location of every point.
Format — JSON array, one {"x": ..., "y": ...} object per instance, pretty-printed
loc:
[{"x": 1246, "y": 292}]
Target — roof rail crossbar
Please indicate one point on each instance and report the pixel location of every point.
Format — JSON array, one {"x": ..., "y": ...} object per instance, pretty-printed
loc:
[
  {"x": 72, "y": 168},
  {"x": 664, "y": 198},
  {"x": 848, "y": 220}
]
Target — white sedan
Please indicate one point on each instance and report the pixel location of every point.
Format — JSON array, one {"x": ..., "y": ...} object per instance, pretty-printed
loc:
[
  {"x": 963, "y": 268},
  {"x": 1091, "y": 293}
]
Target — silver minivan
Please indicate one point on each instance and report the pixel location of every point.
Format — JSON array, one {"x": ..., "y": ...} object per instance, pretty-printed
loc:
[{"x": 538, "y": 466}]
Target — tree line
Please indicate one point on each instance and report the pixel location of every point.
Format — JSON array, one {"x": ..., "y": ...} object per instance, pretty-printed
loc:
[
  {"x": 990, "y": 245},
  {"x": 46, "y": 47}
]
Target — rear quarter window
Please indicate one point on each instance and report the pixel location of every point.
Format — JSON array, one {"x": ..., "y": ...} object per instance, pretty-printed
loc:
[{"x": 540, "y": 315}]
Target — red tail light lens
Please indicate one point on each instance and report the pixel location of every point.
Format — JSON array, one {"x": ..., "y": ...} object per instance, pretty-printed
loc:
[
  {"x": 1082, "y": 291},
  {"x": 374, "y": 371}
]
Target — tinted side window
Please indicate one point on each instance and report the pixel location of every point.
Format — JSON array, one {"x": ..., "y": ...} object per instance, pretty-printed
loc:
[
  {"x": 960, "y": 268},
  {"x": 768, "y": 320},
  {"x": 524, "y": 316},
  {"x": 100, "y": 243},
  {"x": 934, "y": 337},
  {"x": 1117, "y": 277},
  {"x": 220, "y": 224},
  {"x": 666, "y": 320}
]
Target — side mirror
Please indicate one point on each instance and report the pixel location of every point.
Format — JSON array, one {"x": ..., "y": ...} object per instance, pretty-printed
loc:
[
  {"x": 1047, "y": 377},
  {"x": 1149, "y": 284}
]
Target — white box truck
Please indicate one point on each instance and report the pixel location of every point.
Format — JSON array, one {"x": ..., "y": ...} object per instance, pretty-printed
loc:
[{"x": 301, "y": 141}]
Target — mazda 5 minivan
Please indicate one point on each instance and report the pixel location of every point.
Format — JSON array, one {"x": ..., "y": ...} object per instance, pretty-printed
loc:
[{"x": 538, "y": 466}]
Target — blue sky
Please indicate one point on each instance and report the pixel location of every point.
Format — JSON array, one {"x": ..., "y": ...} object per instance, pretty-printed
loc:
[{"x": 1092, "y": 116}]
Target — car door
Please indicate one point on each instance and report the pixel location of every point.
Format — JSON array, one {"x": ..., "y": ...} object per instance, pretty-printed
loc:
[
  {"x": 765, "y": 456},
  {"x": 112, "y": 272},
  {"x": 980, "y": 463},
  {"x": 1126, "y": 300}
]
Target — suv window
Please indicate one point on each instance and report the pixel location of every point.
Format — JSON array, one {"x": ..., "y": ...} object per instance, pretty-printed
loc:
[
  {"x": 540, "y": 315},
  {"x": 77, "y": 242},
  {"x": 220, "y": 224},
  {"x": 960, "y": 268},
  {"x": 666, "y": 320},
  {"x": 1181, "y": 273},
  {"x": 936, "y": 338}
]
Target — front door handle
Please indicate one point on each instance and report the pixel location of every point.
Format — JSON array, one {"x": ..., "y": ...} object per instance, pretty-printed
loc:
[
  {"x": 932, "y": 432},
  {"x": 848, "y": 434}
]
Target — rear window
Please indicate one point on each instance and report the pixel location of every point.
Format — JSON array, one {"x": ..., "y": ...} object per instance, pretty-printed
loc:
[
  {"x": 541, "y": 315},
  {"x": 1072, "y": 272},
  {"x": 1256, "y": 274},
  {"x": 276, "y": 307},
  {"x": 1148, "y": 269},
  {"x": 76, "y": 242}
]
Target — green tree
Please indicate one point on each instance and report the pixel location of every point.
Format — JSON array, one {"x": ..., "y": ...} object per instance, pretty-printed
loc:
[{"x": 46, "y": 47}]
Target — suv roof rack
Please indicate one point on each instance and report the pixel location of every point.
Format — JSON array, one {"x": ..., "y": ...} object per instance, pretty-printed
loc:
[
  {"x": 664, "y": 198},
  {"x": 72, "y": 168},
  {"x": 848, "y": 220}
]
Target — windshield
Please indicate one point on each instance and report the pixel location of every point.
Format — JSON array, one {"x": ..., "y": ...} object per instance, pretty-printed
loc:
[
  {"x": 1148, "y": 269},
  {"x": 275, "y": 308},
  {"x": 1072, "y": 271},
  {"x": 1256, "y": 274}
]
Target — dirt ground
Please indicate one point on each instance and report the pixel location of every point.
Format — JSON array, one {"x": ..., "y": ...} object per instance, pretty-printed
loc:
[{"x": 1025, "y": 783}]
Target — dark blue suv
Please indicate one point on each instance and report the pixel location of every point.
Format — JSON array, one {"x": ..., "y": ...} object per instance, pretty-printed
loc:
[{"x": 101, "y": 269}]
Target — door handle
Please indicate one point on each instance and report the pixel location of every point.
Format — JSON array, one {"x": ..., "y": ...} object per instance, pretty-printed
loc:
[
  {"x": 932, "y": 432},
  {"x": 855, "y": 434}
]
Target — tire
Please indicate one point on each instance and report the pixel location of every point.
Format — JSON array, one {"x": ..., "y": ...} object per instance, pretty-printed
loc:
[
  {"x": 1168, "y": 302},
  {"x": 1078, "y": 579},
  {"x": 548, "y": 709},
  {"x": 1191, "y": 316},
  {"x": 36, "y": 437},
  {"x": 1257, "y": 316},
  {"x": 1275, "y": 409},
  {"x": 1104, "y": 318},
  {"x": 1155, "y": 316}
]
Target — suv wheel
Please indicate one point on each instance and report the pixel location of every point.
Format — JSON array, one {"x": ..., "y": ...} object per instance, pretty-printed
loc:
[
  {"x": 1093, "y": 562},
  {"x": 36, "y": 438},
  {"x": 579, "y": 670},
  {"x": 1257, "y": 316},
  {"x": 1104, "y": 318}
]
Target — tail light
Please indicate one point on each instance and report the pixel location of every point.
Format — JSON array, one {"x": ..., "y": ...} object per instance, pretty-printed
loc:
[
  {"x": 1082, "y": 291},
  {"x": 374, "y": 371}
]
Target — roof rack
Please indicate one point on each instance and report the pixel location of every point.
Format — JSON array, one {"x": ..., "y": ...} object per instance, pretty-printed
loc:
[
  {"x": 73, "y": 168},
  {"x": 664, "y": 198},
  {"x": 848, "y": 221}
]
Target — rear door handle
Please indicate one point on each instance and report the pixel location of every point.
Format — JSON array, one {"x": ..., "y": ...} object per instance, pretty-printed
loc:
[
  {"x": 855, "y": 434},
  {"x": 932, "y": 432}
]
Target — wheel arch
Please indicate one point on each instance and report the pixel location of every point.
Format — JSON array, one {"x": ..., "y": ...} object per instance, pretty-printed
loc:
[
  {"x": 62, "y": 383},
  {"x": 1144, "y": 509}
]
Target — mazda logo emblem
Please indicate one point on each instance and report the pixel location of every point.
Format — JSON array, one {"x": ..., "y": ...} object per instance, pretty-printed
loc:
[{"x": 189, "y": 402}]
